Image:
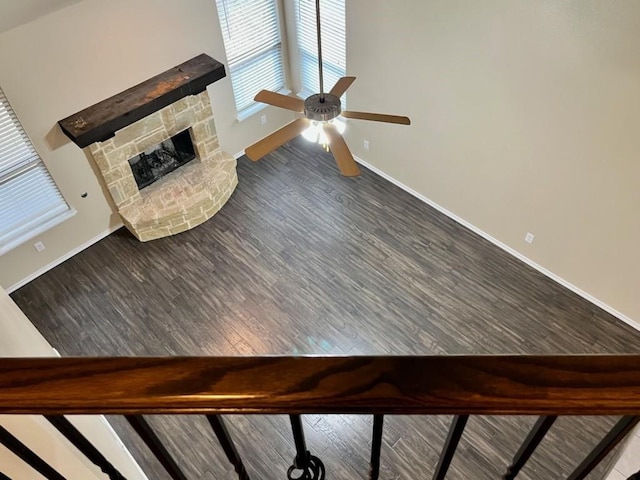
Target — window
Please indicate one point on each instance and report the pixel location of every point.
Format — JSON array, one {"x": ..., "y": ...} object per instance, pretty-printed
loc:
[
  {"x": 30, "y": 202},
  {"x": 251, "y": 33},
  {"x": 334, "y": 50}
]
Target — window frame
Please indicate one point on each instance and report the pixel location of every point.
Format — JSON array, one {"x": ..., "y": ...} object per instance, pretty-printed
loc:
[
  {"x": 254, "y": 107},
  {"x": 21, "y": 167}
]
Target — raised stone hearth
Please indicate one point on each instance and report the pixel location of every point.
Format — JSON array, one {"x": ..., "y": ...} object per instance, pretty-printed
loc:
[{"x": 182, "y": 199}]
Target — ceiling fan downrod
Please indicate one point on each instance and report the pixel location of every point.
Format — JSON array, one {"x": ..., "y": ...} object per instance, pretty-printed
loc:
[
  {"x": 321, "y": 107},
  {"x": 319, "y": 51}
]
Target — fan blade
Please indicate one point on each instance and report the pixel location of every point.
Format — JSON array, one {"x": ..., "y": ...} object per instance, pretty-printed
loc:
[
  {"x": 341, "y": 86},
  {"x": 377, "y": 117},
  {"x": 347, "y": 165},
  {"x": 278, "y": 100},
  {"x": 278, "y": 138}
]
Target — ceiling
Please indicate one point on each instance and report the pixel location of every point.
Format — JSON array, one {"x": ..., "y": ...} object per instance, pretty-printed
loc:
[{"x": 18, "y": 12}]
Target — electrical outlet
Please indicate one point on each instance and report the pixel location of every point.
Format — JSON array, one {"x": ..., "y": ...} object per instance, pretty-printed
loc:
[
  {"x": 263, "y": 119},
  {"x": 39, "y": 246},
  {"x": 529, "y": 237},
  {"x": 366, "y": 144}
]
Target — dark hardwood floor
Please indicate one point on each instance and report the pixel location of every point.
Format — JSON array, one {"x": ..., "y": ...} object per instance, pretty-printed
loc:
[{"x": 304, "y": 261}]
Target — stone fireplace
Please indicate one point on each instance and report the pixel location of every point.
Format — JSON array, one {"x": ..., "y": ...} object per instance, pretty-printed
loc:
[
  {"x": 183, "y": 178},
  {"x": 185, "y": 197}
]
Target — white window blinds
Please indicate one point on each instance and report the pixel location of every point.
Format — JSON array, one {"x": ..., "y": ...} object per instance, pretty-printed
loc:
[
  {"x": 29, "y": 200},
  {"x": 334, "y": 50},
  {"x": 251, "y": 33}
]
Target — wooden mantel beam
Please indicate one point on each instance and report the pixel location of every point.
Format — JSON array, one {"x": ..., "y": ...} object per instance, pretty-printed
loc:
[{"x": 100, "y": 121}]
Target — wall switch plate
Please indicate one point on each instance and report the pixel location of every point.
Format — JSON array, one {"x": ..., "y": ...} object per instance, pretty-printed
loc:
[
  {"x": 39, "y": 246},
  {"x": 529, "y": 237},
  {"x": 366, "y": 144},
  {"x": 263, "y": 119}
]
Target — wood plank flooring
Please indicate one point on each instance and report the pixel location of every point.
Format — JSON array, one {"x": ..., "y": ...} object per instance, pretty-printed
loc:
[{"x": 304, "y": 261}]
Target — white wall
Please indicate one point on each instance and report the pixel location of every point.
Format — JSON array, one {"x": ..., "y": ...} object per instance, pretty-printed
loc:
[
  {"x": 20, "y": 338},
  {"x": 17, "y": 13},
  {"x": 68, "y": 60},
  {"x": 525, "y": 119}
]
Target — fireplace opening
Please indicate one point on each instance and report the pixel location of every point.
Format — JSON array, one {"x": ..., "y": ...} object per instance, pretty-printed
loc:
[{"x": 155, "y": 163}]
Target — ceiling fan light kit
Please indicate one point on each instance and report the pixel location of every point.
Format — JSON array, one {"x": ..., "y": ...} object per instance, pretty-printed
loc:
[
  {"x": 315, "y": 132},
  {"x": 322, "y": 121}
]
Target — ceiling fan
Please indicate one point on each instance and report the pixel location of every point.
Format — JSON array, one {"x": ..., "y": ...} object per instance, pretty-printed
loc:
[{"x": 319, "y": 123}]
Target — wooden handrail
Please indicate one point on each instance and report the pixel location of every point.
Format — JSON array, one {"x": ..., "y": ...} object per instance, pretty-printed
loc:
[{"x": 505, "y": 384}]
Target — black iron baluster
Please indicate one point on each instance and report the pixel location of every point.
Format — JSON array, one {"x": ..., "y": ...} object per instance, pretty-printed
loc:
[
  {"x": 71, "y": 433},
  {"x": 635, "y": 476},
  {"x": 311, "y": 467},
  {"x": 27, "y": 455},
  {"x": 376, "y": 446},
  {"x": 230, "y": 450},
  {"x": 3, "y": 476},
  {"x": 450, "y": 445},
  {"x": 537, "y": 433},
  {"x": 608, "y": 443},
  {"x": 143, "y": 429}
]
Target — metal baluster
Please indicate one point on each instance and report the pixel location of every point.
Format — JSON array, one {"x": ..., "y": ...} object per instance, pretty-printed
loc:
[
  {"x": 71, "y": 433},
  {"x": 537, "y": 433},
  {"x": 608, "y": 443},
  {"x": 311, "y": 467},
  {"x": 143, "y": 429},
  {"x": 27, "y": 455},
  {"x": 376, "y": 446},
  {"x": 450, "y": 445},
  {"x": 635, "y": 476},
  {"x": 230, "y": 450},
  {"x": 3, "y": 476}
]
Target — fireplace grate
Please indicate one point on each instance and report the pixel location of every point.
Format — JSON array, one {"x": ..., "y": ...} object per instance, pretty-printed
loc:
[{"x": 164, "y": 158}]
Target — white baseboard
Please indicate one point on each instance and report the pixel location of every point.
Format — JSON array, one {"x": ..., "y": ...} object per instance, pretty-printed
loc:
[
  {"x": 66, "y": 256},
  {"x": 238, "y": 155},
  {"x": 504, "y": 247}
]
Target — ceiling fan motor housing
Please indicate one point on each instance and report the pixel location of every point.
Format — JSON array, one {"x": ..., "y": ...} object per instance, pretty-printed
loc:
[{"x": 322, "y": 109}]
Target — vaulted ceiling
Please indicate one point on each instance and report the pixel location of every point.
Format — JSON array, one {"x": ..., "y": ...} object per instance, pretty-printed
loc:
[{"x": 18, "y": 12}]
